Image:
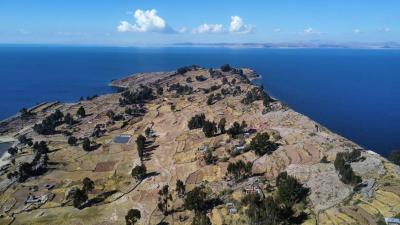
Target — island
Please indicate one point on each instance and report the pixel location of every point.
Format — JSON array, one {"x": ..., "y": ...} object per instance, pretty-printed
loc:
[{"x": 191, "y": 146}]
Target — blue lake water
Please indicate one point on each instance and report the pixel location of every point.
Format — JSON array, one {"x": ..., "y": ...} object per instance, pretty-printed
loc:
[{"x": 355, "y": 93}]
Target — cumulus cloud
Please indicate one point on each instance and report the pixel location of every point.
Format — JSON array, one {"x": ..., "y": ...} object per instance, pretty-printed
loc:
[
  {"x": 357, "y": 31},
  {"x": 209, "y": 28},
  {"x": 237, "y": 25},
  {"x": 145, "y": 21},
  {"x": 310, "y": 30}
]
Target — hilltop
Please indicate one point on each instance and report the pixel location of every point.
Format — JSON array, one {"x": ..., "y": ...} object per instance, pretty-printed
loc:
[{"x": 216, "y": 147}]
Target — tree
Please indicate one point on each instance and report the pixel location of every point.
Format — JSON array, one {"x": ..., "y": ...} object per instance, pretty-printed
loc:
[
  {"x": 68, "y": 119},
  {"x": 342, "y": 165},
  {"x": 261, "y": 144},
  {"x": 209, "y": 128},
  {"x": 224, "y": 80},
  {"x": 12, "y": 151},
  {"x": 132, "y": 216},
  {"x": 72, "y": 140},
  {"x": 88, "y": 185},
  {"x": 239, "y": 170},
  {"x": 221, "y": 125},
  {"x": 141, "y": 143},
  {"x": 86, "y": 144},
  {"x": 226, "y": 68},
  {"x": 210, "y": 99},
  {"x": 201, "y": 219},
  {"x": 290, "y": 190},
  {"x": 139, "y": 172},
  {"x": 180, "y": 187},
  {"x": 41, "y": 147},
  {"x": 147, "y": 131},
  {"x": 394, "y": 157},
  {"x": 80, "y": 197},
  {"x": 163, "y": 197},
  {"x": 195, "y": 199},
  {"x": 81, "y": 112},
  {"x": 262, "y": 211},
  {"x": 197, "y": 121},
  {"x": 209, "y": 158},
  {"x": 236, "y": 129}
]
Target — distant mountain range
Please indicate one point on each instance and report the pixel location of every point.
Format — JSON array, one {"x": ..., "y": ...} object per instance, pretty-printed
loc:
[{"x": 308, "y": 44}]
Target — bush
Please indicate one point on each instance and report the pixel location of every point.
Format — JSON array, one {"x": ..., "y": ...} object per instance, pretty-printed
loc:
[
  {"x": 236, "y": 129},
  {"x": 226, "y": 68},
  {"x": 49, "y": 124},
  {"x": 239, "y": 170},
  {"x": 221, "y": 125},
  {"x": 201, "y": 219},
  {"x": 256, "y": 94},
  {"x": 181, "y": 89},
  {"x": 209, "y": 128},
  {"x": 72, "y": 140},
  {"x": 195, "y": 199},
  {"x": 138, "y": 96},
  {"x": 88, "y": 184},
  {"x": 180, "y": 187},
  {"x": 86, "y": 144},
  {"x": 342, "y": 164},
  {"x": 132, "y": 216},
  {"x": 261, "y": 144},
  {"x": 81, "y": 112},
  {"x": 290, "y": 190},
  {"x": 197, "y": 121},
  {"x": 139, "y": 172}
]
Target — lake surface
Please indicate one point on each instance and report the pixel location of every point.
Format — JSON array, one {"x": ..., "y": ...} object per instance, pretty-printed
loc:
[{"x": 355, "y": 93}]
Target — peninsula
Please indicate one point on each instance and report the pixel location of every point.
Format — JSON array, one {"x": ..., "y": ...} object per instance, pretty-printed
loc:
[{"x": 191, "y": 146}]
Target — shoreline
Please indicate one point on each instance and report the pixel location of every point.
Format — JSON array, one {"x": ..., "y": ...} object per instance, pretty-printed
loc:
[{"x": 5, "y": 143}]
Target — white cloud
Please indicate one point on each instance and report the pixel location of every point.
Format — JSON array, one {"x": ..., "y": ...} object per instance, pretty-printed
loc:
[
  {"x": 357, "y": 31},
  {"x": 310, "y": 30},
  {"x": 145, "y": 21},
  {"x": 209, "y": 28},
  {"x": 183, "y": 30},
  {"x": 386, "y": 29},
  {"x": 277, "y": 30},
  {"x": 238, "y": 26}
]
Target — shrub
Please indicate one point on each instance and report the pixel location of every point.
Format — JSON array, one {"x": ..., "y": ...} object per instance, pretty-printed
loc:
[
  {"x": 81, "y": 112},
  {"x": 88, "y": 184},
  {"x": 342, "y": 164},
  {"x": 236, "y": 129},
  {"x": 180, "y": 187},
  {"x": 195, "y": 199},
  {"x": 132, "y": 216},
  {"x": 181, "y": 89},
  {"x": 86, "y": 144},
  {"x": 138, "y": 96},
  {"x": 201, "y": 219},
  {"x": 197, "y": 121},
  {"x": 209, "y": 128},
  {"x": 239, "y": 170},
  {"x": 139, "y": 172},
  {"x": 221, "y": 125},
  {"x": 226, "y": 68},
  {"x": 49, "y": 124},
  {"x": 261, "y": 144},
  {"x": 290, "y": 190},
  {"x": 72, "y": 140}
]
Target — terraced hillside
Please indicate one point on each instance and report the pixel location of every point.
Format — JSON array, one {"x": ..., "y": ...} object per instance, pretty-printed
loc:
[{"x": 155, "y": 106}]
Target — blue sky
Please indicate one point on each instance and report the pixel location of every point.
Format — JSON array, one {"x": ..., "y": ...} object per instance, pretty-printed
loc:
[{"x": 153, "y": 22}]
